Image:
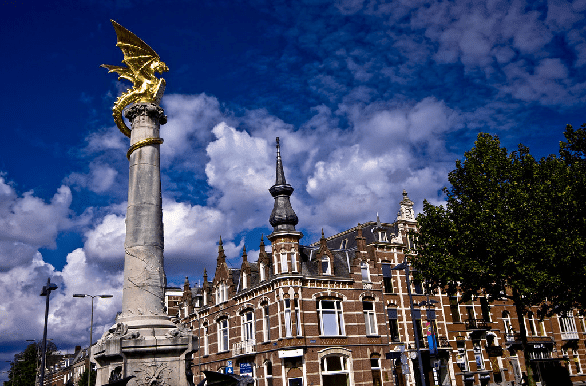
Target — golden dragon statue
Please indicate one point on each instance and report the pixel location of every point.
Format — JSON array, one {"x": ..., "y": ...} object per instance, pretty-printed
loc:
[{"x": 142, "y": 62}]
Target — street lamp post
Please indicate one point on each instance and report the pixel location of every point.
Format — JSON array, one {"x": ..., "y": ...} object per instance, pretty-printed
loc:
[
  {"x": 45, "y": 292},
  {"x": 37, "y": 358},
  {"x": 405, "y": 266},
  {"x": 89, "y": 370}
]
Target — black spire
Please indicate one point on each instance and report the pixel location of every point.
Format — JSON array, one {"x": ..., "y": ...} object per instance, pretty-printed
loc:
[{"x": 283, "y": 217}]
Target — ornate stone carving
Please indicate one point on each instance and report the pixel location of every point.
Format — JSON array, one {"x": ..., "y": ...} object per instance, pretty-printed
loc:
[
  {"x": 150, "y": 109},
  {"x": 151, "y": 374}
]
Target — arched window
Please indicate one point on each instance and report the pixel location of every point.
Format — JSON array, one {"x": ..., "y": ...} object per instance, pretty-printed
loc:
[
  {"x": 288, "y": 323},
  {"x": 334, "y": 370},
  {"x": 268, "y": 373}
]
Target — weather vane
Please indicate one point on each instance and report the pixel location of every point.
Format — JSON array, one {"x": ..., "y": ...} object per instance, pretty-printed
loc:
[{"x": 142, "y": 62}]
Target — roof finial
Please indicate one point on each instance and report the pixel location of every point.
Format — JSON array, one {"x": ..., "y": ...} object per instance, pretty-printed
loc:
[{"x": 283, "y": 217}]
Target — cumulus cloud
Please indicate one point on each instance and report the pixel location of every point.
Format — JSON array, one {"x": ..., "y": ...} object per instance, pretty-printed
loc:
[
  {"x": 28, "y": 222},
  {"x": 99, "y": 179}
]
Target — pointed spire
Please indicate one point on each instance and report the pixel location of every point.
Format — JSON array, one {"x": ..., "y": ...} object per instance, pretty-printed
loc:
[
  {"x": 280, "y": 174},
  {"x": 186, "y": 282},
  {"x": 244, "y": 255},
  {"x": 221, "y": 254},
  {"x": 205, "y": 275},
  {"x": 262, "y": 242},
  {"x": 283, "y": 217}
]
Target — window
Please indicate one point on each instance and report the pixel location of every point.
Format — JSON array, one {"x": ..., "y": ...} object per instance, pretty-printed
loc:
[
  {"x": 244, "y": 280},
  {"x": 288, "y": 330},
  {"x": 266, "y": 323},
  {"x": 364, "y": 271},
  {"x": 393, "y": 324},
  {"x": 284, "y": 262},
  {"x": 334, "y": 370},
  {"x": 417, "y": 287},
  {"x": 294, "y": 261},
  {"x": 478, "y": 356},
  {"x": 297, "y": 317},
  {"x": 454, "y": 309},
  {"x": 509, "y": 333},
  {"x": 568, "y": 326},
  {"x": 331, "y": 321},
  {"x": 248, "y": 326},
  {"x": 369, "y": 318},
  {"x": 375, "y": 370},
  {"x": 417, "y": 319},
  {"x": 531, "y": 322},
  {"x": 576, "y": 359},
  {"x": 206, "y": 347},
  {"x": 325, "y": 265},
  {"x": 221, "y": 293},
  {"x": 223, "y": 335},
  {"x": 485, "y": 309},
  {"x": 382, "y": 236},
  {"x": 269, "y": 374},
  {"x": 461, "y": 359},
  {"x": 262, "y": 271},
  {"x": 387, "y": 278}
]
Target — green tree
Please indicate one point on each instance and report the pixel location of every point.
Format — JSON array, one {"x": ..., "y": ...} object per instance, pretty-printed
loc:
[
  {"x": 504, "y": 224},
  {"x": 23, "y": 370},
  {"x": 83, "y": 379}
]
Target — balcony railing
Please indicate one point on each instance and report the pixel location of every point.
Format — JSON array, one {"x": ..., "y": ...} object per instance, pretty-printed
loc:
[
  {"x": 570, "y": 335},
  {"x": 244, "y": 347},
  {"x": 477, "y": 324}
]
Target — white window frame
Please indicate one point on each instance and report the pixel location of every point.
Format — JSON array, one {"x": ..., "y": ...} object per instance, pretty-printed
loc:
[
  {"x": 568, "y": 326},
  {"x": 266, "y": 323},
  {"x": 344, "y": 365},
  {"x": 326, "y": 259},
  {"x": 365, "y": 272},
  {"x": 244, "y": 280},
  {"x": 338, "y": 319},
  {"x": 262, "y": 271},
  {"x": 284, "y": 267},
  {"x": 287, "y": 318},
  {"x": 248, "y": 326},
  {"x": 223, "y": 335},
  {"x": 369, "y": 318},
  {"x": 297, "y": 316},
  {"x": 206, "y": 346},
  {"x": 294, "y": 267}
]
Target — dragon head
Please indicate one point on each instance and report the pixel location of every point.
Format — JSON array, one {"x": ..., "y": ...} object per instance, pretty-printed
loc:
[{"x": 160, "y": 67}]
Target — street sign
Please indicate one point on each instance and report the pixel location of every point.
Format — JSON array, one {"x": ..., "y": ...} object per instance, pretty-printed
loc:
[{"x": 246, "y": 369}]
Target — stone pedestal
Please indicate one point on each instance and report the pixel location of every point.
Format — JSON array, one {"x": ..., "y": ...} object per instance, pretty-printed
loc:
[{"x": 144, "y": 343}]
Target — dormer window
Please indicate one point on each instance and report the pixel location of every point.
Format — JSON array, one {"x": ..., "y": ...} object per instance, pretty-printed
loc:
[
  {"x": 326, "y": 268},
  {"x": 262, "y": 271},
  {"x": 244, "y": 280},
  {"x": 343, "y": 244},
  {"x": 382, "y": 236},
  {"x": 364, "y": 271},
  {"x": 221, "y": 293}
]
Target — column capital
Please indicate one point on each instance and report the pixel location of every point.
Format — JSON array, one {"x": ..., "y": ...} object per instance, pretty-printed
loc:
[{"x": 150, "y": 109}]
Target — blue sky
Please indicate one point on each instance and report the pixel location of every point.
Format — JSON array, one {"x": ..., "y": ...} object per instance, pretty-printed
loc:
[{"x": 369, "y": 99}]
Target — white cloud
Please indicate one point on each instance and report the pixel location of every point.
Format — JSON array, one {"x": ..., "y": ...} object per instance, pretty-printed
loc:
[{"x": 29, "y": 220}]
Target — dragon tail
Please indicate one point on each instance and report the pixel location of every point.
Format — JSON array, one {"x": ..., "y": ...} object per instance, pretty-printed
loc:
[{"x": 124, "y": 100}]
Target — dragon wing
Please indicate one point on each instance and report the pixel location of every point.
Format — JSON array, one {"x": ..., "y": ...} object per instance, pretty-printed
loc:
[
  {"x": 123, "y": 72},
  {"x": 138, "y": 56}
]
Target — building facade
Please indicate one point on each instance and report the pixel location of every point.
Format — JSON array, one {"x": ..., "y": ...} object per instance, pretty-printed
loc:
[{"x": 343, "y": 311}]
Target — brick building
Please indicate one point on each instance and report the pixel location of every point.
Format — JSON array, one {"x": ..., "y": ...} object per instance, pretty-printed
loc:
[{"x": 340, "y": 312}]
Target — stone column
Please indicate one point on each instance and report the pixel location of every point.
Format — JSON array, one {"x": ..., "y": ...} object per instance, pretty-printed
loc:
[{"x": 144, "y": 275}]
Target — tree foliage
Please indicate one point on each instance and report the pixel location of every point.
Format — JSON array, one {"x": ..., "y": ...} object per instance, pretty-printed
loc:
[
  {"x": 511, "y": 227},
  {"x": 23, "y": 370},
  {"x": 83, "y": 379},
  {"x": 511, "y": 222}
]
